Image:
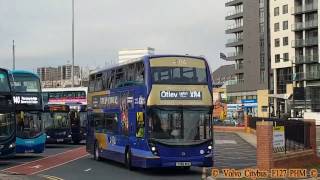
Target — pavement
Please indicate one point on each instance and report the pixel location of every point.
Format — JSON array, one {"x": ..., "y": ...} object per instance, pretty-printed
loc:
[{"x": 232, "y": 151}]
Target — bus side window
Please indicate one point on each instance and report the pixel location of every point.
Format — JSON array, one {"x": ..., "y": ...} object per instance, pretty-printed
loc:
[
  {"x": 111, "y": 122},
  {"x": 140, "y": 124},
  {"x": 139, "y": 72},
  {"x": 92, "y": 83}
]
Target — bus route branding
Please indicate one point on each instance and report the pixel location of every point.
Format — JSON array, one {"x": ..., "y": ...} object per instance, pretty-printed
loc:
[
  {"x": 25, "y": 100},
  {"x": 180, "y": 95}
]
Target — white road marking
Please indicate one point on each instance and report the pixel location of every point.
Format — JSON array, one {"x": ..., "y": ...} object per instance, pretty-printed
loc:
[
  {"x": 87, "y": 170},
  {"x": 36, "y": 167},
  {"x": 225, "y": 142}
]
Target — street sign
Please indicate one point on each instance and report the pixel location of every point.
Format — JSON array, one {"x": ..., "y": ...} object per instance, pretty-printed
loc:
[{"x": 278, "y": 137}]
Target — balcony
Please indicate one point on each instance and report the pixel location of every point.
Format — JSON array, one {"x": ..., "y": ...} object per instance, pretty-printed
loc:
[
  {"x": 305, "y": 9},
  {"x": 239, "y": 66},
  {"x": 234, "y": 28},
  {"x": 306, "y": 59},
  {"x": 234, "y": 56},
  {"x": 233, "y": 2},
  {"x": 234, "y": 15},
  {"x": 305, "y": 25},
  {"x": 304, "y": 42},
  {"x": 311, "y": 75},
  {"x": 234, "y": 42}
]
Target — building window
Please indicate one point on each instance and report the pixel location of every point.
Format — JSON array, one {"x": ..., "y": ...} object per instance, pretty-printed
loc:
[
  {"x": 285, "y": 25},
  {"x": 285, "y": 57},
  {"x": 285, "y": 41},
  {"x": 276, "y": 11},
  {"x": 262, "y": 72},
  {"x": 276, "y": 27},
  {"x": 277, "y": 58},
  {"x": 277, "y": 42},
  {"x": 285, "y": 9}
]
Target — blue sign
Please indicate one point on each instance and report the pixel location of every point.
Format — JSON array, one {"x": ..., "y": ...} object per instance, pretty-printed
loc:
[{"x": 247, "y": 101}]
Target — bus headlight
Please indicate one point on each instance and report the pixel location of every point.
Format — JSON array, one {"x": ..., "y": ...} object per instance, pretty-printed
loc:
[
  {"x": 12, "y": 145},
  {"x": 153, "y": 149}
]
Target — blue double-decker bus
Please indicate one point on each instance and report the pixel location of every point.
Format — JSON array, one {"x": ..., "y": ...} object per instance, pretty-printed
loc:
[
  {"x": 28, "y": 107},
  {"x": 7, "y": 117},
  {"x": 152, "y": 112}
]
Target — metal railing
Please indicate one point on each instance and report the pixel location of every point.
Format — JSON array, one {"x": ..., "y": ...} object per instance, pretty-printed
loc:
[
  {"x": 234, "y": 12},
  {"x": 234, "y": 26},
  {"x": 306, "y": 59},
  {"x": 304, "y": 42},
  {"x": 234, "y": 54},
  {"x": 239, "y": 66},
  {"x": 305, "y": 8},
  {"x": 297, "y": 133},
  {"x": 234, "y": 40},
  {"x": 305, "y": 25},
  {"x": 313, "y": 75}
]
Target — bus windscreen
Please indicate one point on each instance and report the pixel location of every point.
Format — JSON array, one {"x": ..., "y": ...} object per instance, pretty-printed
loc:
[
  {"x": 4, "y": 84},
  {"x": 26, "y": 84},
  {"x": 6, "y": 125}
]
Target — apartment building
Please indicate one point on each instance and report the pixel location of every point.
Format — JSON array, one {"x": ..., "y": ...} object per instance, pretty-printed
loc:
[
  {"x": 282, "y": 64},
  {"x": 59, "y": 76},
  {"x": 129, "y": 54},
  {"x": 248, "y": 29},
  {"x": 295, "y": 58}
]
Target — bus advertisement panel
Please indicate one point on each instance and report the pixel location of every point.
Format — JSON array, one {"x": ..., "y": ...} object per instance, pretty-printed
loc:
[
  {"x": 76, "y": 95},
  {"x": 28, "y": 106},
  {"x": 153, "y": 112},
  {"x": 57, "y": 123},
  {"x": 7, "y": 117}
]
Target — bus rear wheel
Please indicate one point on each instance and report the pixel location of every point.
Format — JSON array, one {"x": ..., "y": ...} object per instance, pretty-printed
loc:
[
  {"x": 128, "y": 159},
  {"x": 96, "y": 155}
]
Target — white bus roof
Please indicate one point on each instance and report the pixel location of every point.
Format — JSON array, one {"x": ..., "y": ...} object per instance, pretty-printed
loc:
[{"x": 65, "y": 89}]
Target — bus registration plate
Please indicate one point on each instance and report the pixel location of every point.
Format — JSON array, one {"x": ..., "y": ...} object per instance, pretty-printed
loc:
[
  {"x": 59, "y": 140},
  {"x": 183, "y": 164}
]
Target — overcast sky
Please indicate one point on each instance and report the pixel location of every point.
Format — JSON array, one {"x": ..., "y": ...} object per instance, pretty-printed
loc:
[{"x": 42, "y": 30}]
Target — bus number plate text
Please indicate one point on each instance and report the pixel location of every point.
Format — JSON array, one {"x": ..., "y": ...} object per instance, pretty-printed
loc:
[{"x": 183, "y": 164}]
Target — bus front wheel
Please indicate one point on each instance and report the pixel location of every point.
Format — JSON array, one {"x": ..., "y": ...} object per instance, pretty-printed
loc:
[
  {"x": 96, "y": 155},
  {"x": 128, "y": 159}
]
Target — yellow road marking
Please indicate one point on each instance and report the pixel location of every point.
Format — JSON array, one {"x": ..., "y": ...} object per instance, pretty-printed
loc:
[{"x": 50, "y": 177}]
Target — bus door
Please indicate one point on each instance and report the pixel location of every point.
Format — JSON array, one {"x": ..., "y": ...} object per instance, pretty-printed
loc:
[
  {"x": 139, "y": 120},
  {"x": 75, "y": 126}
]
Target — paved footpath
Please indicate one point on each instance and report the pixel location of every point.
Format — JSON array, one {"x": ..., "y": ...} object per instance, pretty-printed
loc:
[{"x": 231, "y": 151}]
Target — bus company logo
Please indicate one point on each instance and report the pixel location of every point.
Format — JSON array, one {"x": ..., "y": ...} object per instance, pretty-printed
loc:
[{"x": 180, "y": 95}]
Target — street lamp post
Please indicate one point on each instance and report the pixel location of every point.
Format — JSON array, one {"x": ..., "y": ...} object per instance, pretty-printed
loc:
[
  {"x": 13, "y": 56},
  {"x": 72, "y": 68}
]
